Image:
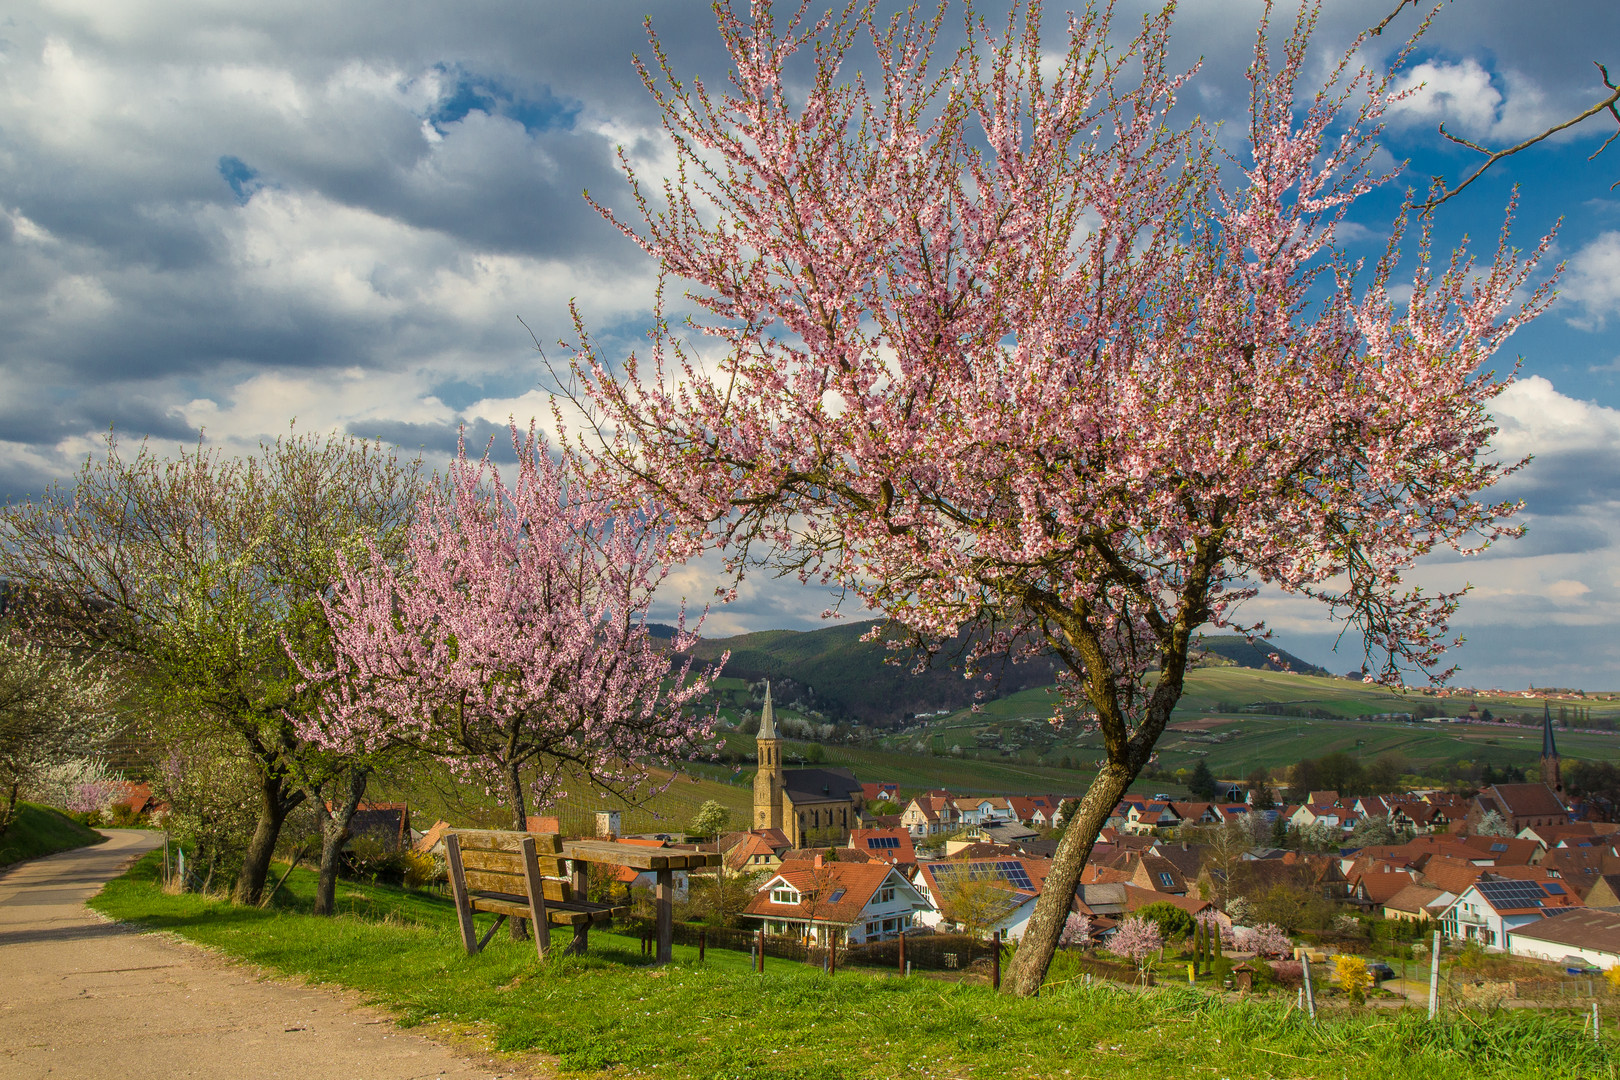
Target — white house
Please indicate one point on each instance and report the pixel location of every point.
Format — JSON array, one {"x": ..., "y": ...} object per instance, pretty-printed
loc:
[
  {"x": 1491, "y": 908},
  {"x": 852, "y": 902},
  {"x": 1587, "y": 933},
  {"x": 1003, "y": 890}
]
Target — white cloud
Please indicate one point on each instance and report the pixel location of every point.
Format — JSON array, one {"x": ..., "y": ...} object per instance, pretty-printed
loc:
[
  {"x": 1592, "y": 282},
  {"x": 1471, "y": 101}
]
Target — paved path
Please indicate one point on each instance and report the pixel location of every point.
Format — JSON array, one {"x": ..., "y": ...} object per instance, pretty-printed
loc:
[{"x": 82, "y": 998}]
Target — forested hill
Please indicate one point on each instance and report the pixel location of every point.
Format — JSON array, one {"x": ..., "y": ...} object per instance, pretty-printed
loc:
[
  {"x": 832, "y": 671},
  {"x": 1241, "y": 652}
]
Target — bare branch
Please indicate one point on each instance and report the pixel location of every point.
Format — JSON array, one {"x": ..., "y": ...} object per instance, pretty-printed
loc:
[
  {"x": 1608, "y": 105},
  {"x": 1379, "y": 29}
]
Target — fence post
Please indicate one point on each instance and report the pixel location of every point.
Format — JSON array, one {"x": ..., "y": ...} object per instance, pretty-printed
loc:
[
  {"x": 908, "y": 969},
  {"x": 1595, "y": 1034},
  {"x": 1434, "y": 978},
  {"x": 995, "y": 961},
  {"x": 761, "y": 951},
  {"x": 1310, "y": 991},
  {"x": 703, "y": 939},
  {"x": 902, "y": 952}
]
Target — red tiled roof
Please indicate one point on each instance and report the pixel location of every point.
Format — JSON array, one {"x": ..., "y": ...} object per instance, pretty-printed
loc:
[
  {"x": 1527, "y": 800},
  {"x": 858, "y": 880},
  {"x": 1414, "y": 899}
]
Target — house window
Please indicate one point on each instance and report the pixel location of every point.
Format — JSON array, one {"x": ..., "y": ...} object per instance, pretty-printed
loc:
[
  {"x": 1166, "y": 880},
  {"x": 784, "y": 896},
  {"x": 886, "y": 896}
]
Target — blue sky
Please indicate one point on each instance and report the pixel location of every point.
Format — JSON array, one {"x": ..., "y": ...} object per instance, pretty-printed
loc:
[{"x": 218, "y": 217}]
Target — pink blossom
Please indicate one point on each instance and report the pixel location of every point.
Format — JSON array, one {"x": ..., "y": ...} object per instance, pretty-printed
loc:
[{"x": 513, "y": 639}]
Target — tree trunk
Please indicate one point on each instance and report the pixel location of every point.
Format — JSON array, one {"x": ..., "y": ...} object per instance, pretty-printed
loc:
[
  {"x": 1028, "y": 968},
  {"x": 520, "y": 822},
  {"x": 8, "y": 812},
  {"x": 274, "y": 803},
  {"x": 514, "y": 799},
  {"x": 334, "y": 835}
]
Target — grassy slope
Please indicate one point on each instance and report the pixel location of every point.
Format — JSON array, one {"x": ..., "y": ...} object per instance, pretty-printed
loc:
[
  {"x": 40, "y": 830},
  {"x": 608, "y": 1011}
]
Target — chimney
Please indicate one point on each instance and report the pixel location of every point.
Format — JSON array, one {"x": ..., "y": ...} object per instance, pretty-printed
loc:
[{"x": 818, "y": 862}]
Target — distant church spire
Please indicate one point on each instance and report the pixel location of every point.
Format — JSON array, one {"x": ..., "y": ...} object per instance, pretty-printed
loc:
[
  {"x": 1549, "y": 752},
  {"x": 767, "y": 719}
]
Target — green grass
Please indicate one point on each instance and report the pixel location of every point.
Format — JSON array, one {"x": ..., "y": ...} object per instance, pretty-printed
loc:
[
  {"x": 41, "y": 830},
  {"x": 609, "y": 1011}
]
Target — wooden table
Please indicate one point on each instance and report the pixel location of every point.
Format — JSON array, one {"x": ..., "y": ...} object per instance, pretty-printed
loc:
[{"x": 662, "y": 861}]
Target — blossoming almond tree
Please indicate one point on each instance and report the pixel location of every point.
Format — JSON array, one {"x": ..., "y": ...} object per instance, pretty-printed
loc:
[
  {"x": 998, "y": 346},
  {"x": 514, "y": 638}
]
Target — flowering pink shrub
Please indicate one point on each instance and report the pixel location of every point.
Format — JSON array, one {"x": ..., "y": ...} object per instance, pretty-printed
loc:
[
  {"x": 1136, "y": 940},
  {"x": 1076, "y": 930},
  {"x": 1267, "y": 939}
]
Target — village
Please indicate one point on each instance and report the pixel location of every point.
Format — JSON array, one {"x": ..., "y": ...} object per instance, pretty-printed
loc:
[{"x": 1512, "y": 872}]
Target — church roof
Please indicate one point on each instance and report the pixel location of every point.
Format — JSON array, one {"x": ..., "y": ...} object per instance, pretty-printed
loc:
[
  {"x": 1549, "y": 748},
  {"x": 820, "y": 785},
  {"x": 767, "y": 718}
]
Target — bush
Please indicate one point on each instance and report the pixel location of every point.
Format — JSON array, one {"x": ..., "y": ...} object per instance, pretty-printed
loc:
[
  {"x": 423, "y": 869},
  {"x": 1290, "y": 974},
  {"x": 1171, "y": 920},
  {"x": 366, "y": 859}
]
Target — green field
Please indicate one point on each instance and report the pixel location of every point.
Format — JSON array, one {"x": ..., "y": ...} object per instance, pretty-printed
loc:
[{"x": 1009, "y": 747}]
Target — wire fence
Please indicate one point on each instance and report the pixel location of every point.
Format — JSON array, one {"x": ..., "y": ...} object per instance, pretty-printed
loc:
[{"x": 922, "y": 951}]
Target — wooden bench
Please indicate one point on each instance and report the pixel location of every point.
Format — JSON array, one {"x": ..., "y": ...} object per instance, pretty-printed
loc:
[{"x": 520, "y": 875}]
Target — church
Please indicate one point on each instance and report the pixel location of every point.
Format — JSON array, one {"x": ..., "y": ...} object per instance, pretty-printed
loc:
[{"x": 812, "y": 807}]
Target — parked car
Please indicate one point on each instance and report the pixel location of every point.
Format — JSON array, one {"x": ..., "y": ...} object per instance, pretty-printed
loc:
[{"x": 1380, "y": 970}]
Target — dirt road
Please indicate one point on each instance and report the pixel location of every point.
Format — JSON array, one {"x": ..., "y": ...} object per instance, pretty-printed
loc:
[{"x": 82, "y": 998}]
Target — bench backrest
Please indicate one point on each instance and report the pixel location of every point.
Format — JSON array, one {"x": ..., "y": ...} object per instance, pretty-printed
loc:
[{"x": 492, "y": 862}]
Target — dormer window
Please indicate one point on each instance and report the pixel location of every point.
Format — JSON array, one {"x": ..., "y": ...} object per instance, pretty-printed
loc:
[{"x": 784, "y": 894}]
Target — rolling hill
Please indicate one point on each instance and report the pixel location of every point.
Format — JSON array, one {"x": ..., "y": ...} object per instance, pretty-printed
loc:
[{"x": 833, "y": 672}]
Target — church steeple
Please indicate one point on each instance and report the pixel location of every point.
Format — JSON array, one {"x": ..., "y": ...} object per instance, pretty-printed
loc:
[
  {"x": 1549, "y": 752},
  {"x": 768, "y": 780},
  {"x": 767, "y": 718}
]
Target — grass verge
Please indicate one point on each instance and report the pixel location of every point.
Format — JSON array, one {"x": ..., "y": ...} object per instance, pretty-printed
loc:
[
  {"x": 610, "y": 1011},
  {"x": 41, "y": 830}
]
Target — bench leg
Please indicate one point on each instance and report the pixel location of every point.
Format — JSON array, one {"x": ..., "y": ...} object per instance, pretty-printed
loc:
[
  {"x": 665, "y": 895},
  {"x": 458, "y": 888},
  {"x": 580, "y": 888},
  {"x": 485, "y": 939}
]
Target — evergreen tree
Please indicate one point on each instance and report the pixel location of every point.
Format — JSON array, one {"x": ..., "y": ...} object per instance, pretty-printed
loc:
[{"x": 1202, "y": 782}]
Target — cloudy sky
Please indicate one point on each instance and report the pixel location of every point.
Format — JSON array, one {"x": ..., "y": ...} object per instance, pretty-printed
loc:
[{"x": 219, "y": 216}]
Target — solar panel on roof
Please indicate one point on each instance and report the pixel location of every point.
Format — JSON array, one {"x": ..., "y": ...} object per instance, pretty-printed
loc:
[
  {"x": 1009, "y": 870},
  {"x": 883, "y": 841},
  {"x": 1523, "y": 894},
  {"x": 1556, "y": 890}
]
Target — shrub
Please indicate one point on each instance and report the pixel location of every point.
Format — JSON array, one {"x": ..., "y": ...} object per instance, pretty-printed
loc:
[
  {"x": 1288, "y": 973},
  {"x": 367, "y": 859},
  {"x": 423, "y": 869},
  {"x": 1354, "y": 979},
  {"x": 1171, "y": 920}
]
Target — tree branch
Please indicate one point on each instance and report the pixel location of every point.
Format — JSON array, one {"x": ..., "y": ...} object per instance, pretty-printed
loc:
[{"x": 1608, "y": 105}]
